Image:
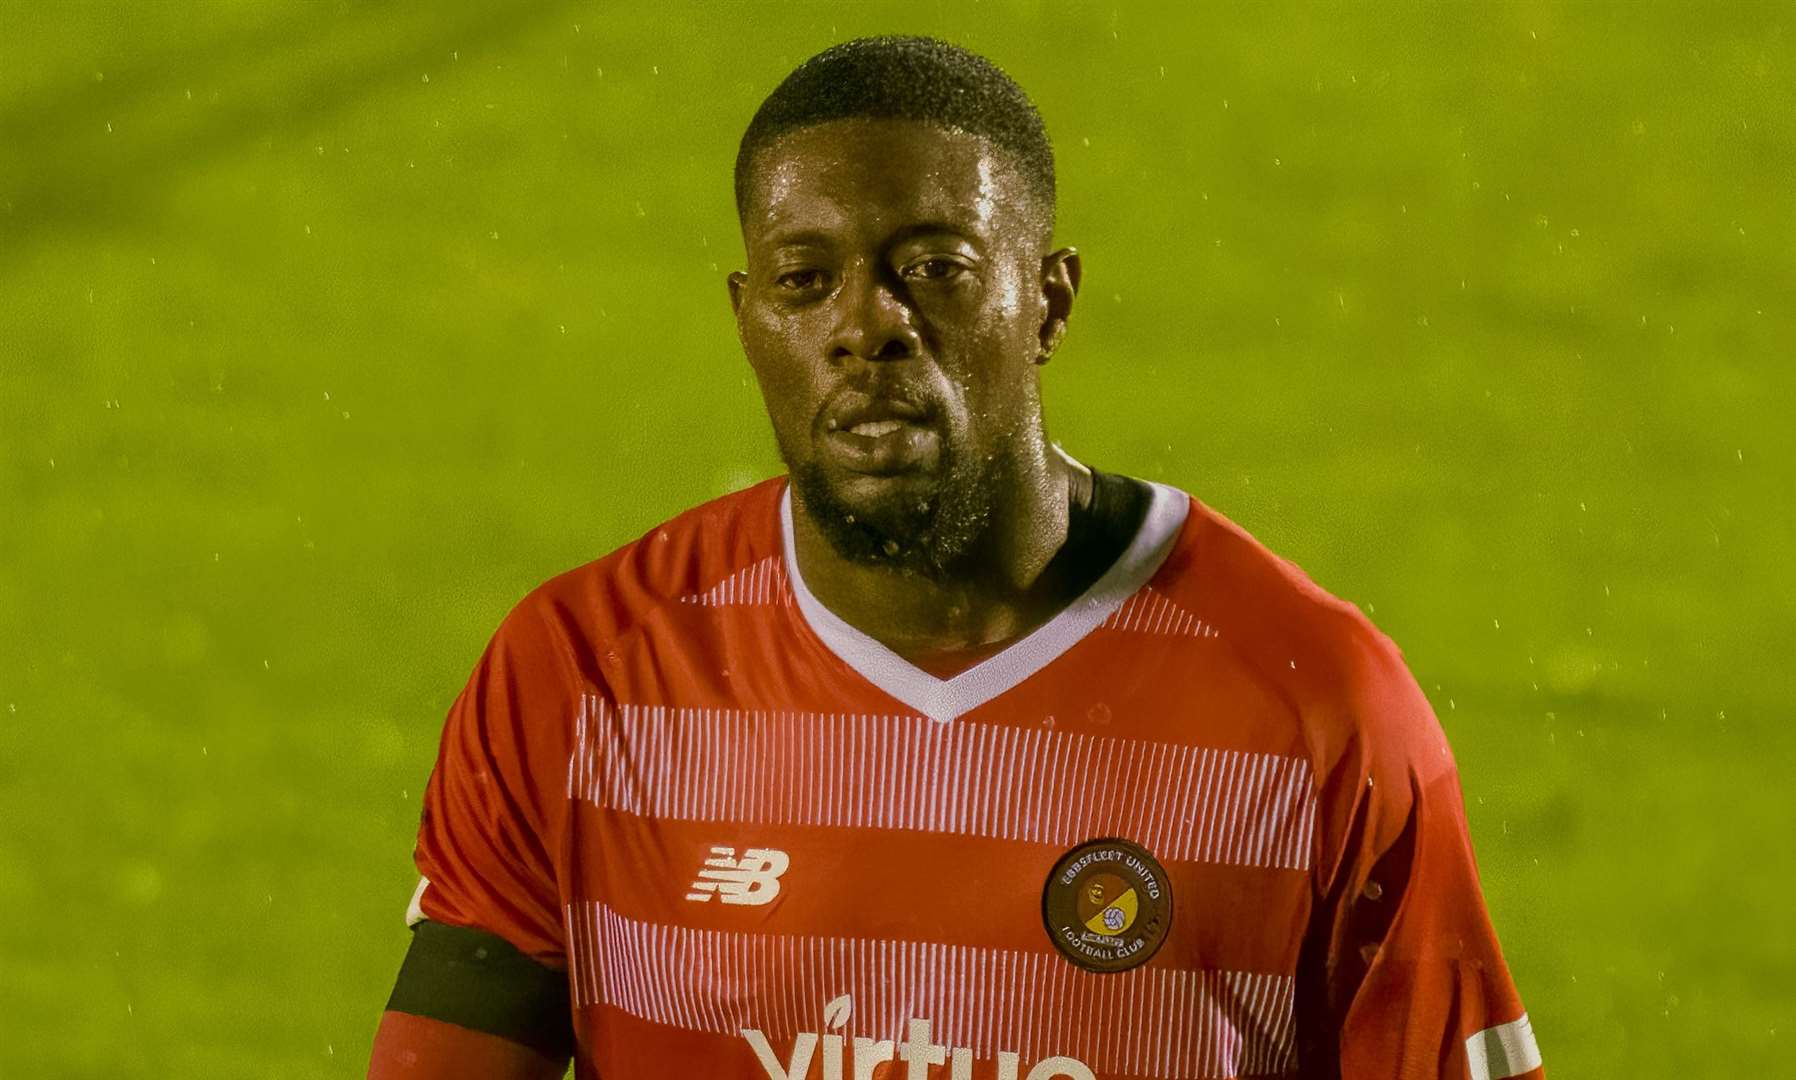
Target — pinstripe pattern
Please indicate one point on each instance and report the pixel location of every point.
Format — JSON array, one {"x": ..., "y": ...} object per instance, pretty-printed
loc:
[
  {"x": 758, "y": 583},
  {"x": 1151, "y": 1021},
  {"x": 1180, "y": 802},
  {"x": 1151, "y": 612}
]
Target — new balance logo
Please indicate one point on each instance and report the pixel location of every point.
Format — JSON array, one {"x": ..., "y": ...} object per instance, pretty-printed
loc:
[{"x": 752, "y": 879}]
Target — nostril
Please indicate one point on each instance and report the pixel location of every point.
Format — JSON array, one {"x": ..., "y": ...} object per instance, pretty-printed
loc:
[{"x": 895, "y": 349}]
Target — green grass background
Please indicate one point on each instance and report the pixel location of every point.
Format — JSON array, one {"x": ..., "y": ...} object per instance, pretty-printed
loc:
[{"x": 327, "y": 330}]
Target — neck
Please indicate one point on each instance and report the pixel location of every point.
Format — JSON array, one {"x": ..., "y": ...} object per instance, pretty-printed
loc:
[{"x": 1001, "y": 591}]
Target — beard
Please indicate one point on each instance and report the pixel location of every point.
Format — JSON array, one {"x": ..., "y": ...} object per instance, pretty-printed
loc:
[{"x": 927, "y": 530}]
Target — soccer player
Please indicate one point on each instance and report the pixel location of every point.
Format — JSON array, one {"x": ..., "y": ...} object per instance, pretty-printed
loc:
[{"x": 946, "y": 755}]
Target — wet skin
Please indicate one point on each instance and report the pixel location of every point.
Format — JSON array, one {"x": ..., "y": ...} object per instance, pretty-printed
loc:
[{"x": 900, "y": 297}]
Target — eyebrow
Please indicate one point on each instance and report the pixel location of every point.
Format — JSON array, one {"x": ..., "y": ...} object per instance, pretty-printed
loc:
[
  {"x": 933, "y": 228},
  {"x": 800, "y": 238},
  {"x": 819, "y": 238}
]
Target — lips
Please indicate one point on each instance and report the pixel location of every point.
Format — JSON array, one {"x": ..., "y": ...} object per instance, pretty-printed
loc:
[
  {"x": 873, "y": 429},
  {"x": 857, "y": 412},
  {"x": 879, "y": 435}
]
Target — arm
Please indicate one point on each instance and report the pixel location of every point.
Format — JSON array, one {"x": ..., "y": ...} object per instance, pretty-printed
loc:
[
  {"x": 1421, "y": 980},
  {"x": 483, "y": 990},
  {"x": 469, "y": 1005},
  {"x": 1401, "y": 974},
  {"x": 410, "y": 1047}
]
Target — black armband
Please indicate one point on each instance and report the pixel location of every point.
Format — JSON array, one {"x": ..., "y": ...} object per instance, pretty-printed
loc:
[{"x": 480, "y": 981}]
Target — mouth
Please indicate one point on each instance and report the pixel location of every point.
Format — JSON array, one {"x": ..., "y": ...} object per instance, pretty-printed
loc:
[
  {"x": 881, "y": 437},
  {"x": 873, "y": 429}
]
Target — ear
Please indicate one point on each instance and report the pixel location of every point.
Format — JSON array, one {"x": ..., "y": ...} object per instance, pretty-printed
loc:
[
  {"x": 738, "y": 281},
  {"x": 1060, "y": 274}
]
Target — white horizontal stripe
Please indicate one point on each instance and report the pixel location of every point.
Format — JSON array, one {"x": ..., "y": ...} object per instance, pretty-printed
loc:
[
  {"x": 1502, "y": 1051},
  {"x": 1148, "y": 1022},
  {"x": 849, "y": 770}
]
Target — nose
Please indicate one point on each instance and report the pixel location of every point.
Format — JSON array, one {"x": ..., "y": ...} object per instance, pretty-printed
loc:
[{"x": 874, "y": 320}]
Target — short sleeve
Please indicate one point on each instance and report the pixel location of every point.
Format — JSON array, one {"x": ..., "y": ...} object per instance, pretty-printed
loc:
[
  {"x": 491, "y": 817},
  {"x": 1414, "y": 984}
]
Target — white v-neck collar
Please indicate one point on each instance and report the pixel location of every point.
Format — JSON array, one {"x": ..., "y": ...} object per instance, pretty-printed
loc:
[{"x": 947, "y": 699}]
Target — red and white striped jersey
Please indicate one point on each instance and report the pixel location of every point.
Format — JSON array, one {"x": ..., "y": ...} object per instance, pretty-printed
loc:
[{"x": 1200, "y": 824}]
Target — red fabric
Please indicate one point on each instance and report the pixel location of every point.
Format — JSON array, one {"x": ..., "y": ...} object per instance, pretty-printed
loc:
[
  {"x": 637, "y": 719},
  {"x": 414, "y": 1048},
  {"x": 489, "y": 833},
  {"x": 1413, "y": 965}
]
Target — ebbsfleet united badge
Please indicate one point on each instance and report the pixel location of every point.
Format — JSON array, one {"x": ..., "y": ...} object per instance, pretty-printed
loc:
[{"x": 1108, "y": 905}]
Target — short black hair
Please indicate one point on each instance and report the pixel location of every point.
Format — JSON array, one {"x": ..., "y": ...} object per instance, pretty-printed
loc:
[{"x": 905, "y": 78}]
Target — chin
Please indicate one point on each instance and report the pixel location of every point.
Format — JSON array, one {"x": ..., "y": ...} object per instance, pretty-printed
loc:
[
  {"x": 917, "y": 522},
  {"x": 880, "y": 495},
  {"x": 897, "y": 505}
]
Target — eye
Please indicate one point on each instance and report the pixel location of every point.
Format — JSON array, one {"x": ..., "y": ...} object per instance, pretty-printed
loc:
[
  {"x": 935, "y": 268},
  {"x": 804, "y": 280}
]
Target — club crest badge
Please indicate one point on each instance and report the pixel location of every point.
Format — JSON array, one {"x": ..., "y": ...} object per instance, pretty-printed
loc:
[{"x": 1107, "y": 905}]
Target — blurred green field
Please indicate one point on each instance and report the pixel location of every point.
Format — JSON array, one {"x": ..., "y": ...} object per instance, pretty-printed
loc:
[{"x": 327, "y": 330}]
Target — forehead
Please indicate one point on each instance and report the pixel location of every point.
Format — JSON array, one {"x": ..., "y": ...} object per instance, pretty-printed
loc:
[{"x": 869, "y": 178}]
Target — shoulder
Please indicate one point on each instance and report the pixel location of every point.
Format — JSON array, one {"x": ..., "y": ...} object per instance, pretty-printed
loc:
[
  {"x": 1374, "y": 746},
  {"x": 548, "y": 657},
  {"x": 606, "y": 600},
  {"x": 1345, "y": 681}
]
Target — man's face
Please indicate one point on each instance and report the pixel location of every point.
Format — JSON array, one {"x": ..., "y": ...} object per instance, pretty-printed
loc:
[{"x": 893, "y": 311}]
